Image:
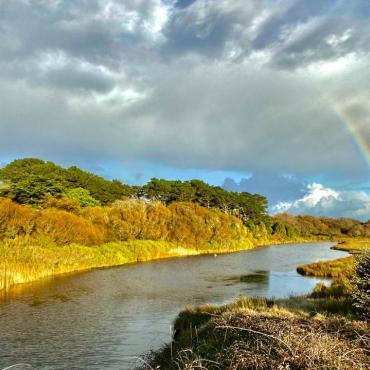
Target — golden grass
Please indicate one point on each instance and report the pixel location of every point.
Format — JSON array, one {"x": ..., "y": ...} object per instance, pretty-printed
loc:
[
  {"x": 353, "y": 245},
  {"x": 339, "y": 268},
  {"x": 329, "y": 269},
  {"x": 23, "y": 261}
]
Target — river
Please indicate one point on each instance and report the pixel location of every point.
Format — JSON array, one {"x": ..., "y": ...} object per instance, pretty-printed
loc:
[{"x": 99, "y": 319}]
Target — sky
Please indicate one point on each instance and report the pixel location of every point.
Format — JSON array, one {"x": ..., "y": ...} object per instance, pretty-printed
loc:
[{"x": 266, "y": 96}]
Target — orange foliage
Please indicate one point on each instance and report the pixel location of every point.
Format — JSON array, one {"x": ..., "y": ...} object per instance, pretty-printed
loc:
[
  {"x": 137, "y": 219},
  {"x": 196, "y": 225},
  {"x": 16, "y": 220},
  {"x": 185, "y": 223},
  {"x": 99, "y": 217},
  {"x": 64, "y": 204},
  {"x": 65, "y": 228}
]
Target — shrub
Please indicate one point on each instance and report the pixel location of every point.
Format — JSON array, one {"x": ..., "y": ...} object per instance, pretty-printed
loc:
[
  {"x": 337, "y": 289},
  {"x": 63, "y": 203},
  {"x": 66, "y": 228},
  {"x": 361, "y": 285},
  {"x": 82, "y": 196},
  {"x": 16, "y": 220}
]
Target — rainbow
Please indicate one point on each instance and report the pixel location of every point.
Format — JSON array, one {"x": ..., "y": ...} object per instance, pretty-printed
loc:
[{"x": 357, "y": 133}]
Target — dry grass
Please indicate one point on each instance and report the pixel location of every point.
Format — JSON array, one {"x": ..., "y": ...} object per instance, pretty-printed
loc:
[
  {"x": 253, "y": 334},
  {"x": 353, "y": 246},
  {"x": 341, "y": 267}
]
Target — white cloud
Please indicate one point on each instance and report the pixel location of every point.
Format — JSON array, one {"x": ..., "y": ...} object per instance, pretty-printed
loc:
[{"x": 324, "y": 201}]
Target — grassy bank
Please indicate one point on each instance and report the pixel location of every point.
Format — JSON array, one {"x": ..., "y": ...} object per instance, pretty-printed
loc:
[
  {"x": 353, "y": 246},
  {"x": 297, "y": 333},
  {"x": 328, "y": 269},
  {"x": 24, "y": 261},
  {"x": 341, "y": 268}
]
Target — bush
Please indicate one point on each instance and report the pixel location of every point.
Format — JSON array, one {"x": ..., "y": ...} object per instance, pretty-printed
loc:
[
  {"x": 62, "y": 203},
  {"x": 82, "y": 196},
  {"x": 361, "y": 285},
  {"x": 66, "y": 228},
  {"x": 15, "y": 220},
  {"x": 337, "y": 289}
]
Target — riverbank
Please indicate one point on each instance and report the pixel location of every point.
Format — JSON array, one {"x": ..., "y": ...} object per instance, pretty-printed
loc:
[
  {"x": 320, "y": 330},
  {"x": 341, "y": 268},
  {"x": 251, "y": 333},
  {"x": 25, "y": 261},
  {"x": 29, "y": 260}
]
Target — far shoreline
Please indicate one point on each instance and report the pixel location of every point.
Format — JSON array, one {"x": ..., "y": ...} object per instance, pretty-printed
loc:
[{"x": 176, "y": 252}]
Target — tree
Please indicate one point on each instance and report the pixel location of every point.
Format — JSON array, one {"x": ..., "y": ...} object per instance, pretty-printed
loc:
[
  {"x": 33, "y": 188},
  {"x": 22, "y": 171},
  {"x": 82, "y": 196}
]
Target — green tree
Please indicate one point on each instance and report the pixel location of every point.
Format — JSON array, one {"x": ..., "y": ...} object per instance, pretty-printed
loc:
[
  {"x": 21, "y": 170},
  {"x": 32, "y": 189},
  {"x": 82, "y": 196}
]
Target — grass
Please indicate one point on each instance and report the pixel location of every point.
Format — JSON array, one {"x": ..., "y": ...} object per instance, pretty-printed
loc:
[
  {"x": 341, "y": 268},
  {"x": 27, "y": 260},
  {"x": 262, "y": 334},
  {"x": 328, "y": 269},
  {"x": 353, "y": 246},
  {"x": 23, "y": 260}
]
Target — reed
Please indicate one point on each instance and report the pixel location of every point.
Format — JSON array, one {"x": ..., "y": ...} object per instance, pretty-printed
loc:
[
  {"x": 27, "y": 260},
  {"x": 339, "y": 268},
  {"x": 353, "y": 245}
]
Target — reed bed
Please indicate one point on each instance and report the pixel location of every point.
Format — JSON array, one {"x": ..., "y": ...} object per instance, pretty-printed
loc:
[
  {"x": 339, "y": 268},
  {"x": 23, "y": 261}
]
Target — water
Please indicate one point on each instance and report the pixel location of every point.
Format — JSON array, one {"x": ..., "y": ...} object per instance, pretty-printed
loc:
[{"x": 97, "y": 320}]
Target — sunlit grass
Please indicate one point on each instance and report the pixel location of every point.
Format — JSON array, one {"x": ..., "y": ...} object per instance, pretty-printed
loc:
[
  {"x": 24, "y": 261},
  {"x": 328, "y": 269},
  {"x": 339, "y": 268},
  {"x": 353, "y": 245}
]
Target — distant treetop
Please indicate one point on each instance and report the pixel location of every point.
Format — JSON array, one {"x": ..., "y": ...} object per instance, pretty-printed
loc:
[{"x": 29, "y": 180}]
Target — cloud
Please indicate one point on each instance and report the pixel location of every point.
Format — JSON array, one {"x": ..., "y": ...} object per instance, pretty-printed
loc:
[
  {"x": 324, "y": 201},
  {"x": 276, "y": 187},
  {"x": 258, "y": 86},
  {"x": 289, "y": 34}
]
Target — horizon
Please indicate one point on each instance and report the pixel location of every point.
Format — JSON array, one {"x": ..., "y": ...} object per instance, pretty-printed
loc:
[{"x": 269, "y": 97}]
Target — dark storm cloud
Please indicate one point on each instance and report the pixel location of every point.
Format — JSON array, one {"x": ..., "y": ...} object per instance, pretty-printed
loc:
[
  {"x": 224, "y": 85},
  {"x": 80, "y": 28},
  {"x": 276, "y": 187},
  {"x": 293, "y": 33}
]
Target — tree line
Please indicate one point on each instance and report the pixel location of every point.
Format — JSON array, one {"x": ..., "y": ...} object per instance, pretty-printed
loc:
[
  {"x": 153, "y": 209},
  {"x": 30, "y": 180}
]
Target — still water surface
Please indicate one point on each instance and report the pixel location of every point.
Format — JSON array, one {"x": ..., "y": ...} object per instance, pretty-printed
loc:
[{"x": 97, "y": 320}]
